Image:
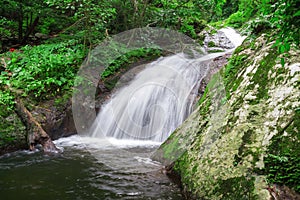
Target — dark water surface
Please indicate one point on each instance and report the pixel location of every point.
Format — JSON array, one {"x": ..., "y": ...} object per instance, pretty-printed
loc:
[{"x": 86, "y": 170}]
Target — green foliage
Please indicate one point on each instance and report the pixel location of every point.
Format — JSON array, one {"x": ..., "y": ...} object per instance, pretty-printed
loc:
[
  {"x": 264, "y": 15},
  {"x": 283, "y": 170},
  {"x": 249, "y": 8},
  {"x": 6, "y": 101},
  {"x": 185, "y": 16},
  {"x": 92, "y": 18},
  {"x": 282, "y": 164},
  {"x": 43, "y": 71},
  {"x": 257, "y": 26},
  {"x": 285, "y": 17},
  {"x": 6, "y": 26},
  {"x": 129, "y": 58},
  {"x": 236, "y": 20}
]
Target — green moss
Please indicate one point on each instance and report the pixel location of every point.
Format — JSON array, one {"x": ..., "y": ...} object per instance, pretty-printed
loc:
[
  {"x": 204, "y": 110},
  {"x": 239, "y": 49},
  {"x": 232, "y": 81},
  {"x": 236, "y": 188},
  {"x": 170, "y": 149},
  {"x": 12, "y": 132},
  {"x": 261, "y": 78},
  {"x": 129, "y": 58},
  {"x": 181, "y": 167},
  {"x": 62, "y": 100},
  {"x": 205, "y": 100},
  {"x": 280, "y": 72},
  {"x": 201, "y": 38},
  {"x": 211, "y": 44},
  {"x": 215, "y": 51},
  {"x": 233, "y": 120},
  {"x": 203, "y": 97},
  {"x": 244, "y": 150},
  {"x": 110, "y": 83}
]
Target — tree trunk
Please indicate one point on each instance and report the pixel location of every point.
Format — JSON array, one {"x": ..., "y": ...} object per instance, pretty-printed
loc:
[
  {"x": 35, "y": 132},
  {"x": 30, "y": 29},
  {"x": 20, "y": 23}
]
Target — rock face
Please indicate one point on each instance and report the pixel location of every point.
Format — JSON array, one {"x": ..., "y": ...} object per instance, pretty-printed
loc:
[
  {"x": 244, "y": 135},
  {"x": 215, "y": 40},
  {"x": 14, "y": 131}
]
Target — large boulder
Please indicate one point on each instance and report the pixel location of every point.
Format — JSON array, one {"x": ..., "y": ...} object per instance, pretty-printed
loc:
[{"x": 244, "y": 135}]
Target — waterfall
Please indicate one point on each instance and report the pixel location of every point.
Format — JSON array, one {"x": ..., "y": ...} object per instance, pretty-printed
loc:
[{"x": 155, "y": 102}]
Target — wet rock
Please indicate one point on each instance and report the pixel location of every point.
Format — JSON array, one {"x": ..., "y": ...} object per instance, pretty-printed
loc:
[
  {"x": 41, "y": 36},
  {"x": 216, "y": 40},
  {"x": 59, "y": 122}
]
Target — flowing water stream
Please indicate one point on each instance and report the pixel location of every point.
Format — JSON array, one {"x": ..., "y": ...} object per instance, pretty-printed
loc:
[
  {"x": 87, "y": 169},
  {"x": 113, "y": 162}
]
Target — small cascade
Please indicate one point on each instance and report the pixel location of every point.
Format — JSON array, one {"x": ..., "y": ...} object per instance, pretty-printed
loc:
[{"x": 156, "y": 101}]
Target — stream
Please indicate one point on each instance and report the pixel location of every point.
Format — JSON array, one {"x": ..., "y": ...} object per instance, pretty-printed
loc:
[{"x": 88, "y": 168}]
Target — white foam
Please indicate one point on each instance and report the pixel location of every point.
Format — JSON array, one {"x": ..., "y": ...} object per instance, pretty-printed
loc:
[
  {"x": 147, "y": 161},
  {"x": 233, "y": 36},
  {"x": 81, "y": 142},
  {"x": 123, "y": 143}
]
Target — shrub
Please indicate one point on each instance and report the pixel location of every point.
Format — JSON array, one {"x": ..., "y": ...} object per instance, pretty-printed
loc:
[{"x": 44, "y": 70}]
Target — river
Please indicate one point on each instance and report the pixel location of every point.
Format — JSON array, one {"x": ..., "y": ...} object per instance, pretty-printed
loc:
[{"x": 88, "y": 168}]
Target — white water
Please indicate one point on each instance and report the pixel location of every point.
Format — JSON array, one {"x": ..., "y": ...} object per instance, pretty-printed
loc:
[
  {"x": 158, "y": 100},
  {"x": 154, "y": 103},
  {"x": 235, "y": 38}
]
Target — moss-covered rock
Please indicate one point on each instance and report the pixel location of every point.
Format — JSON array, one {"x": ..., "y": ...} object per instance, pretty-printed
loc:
[
  {"x": 12, "y": 131},
  {"x": 246, "y": 126}
]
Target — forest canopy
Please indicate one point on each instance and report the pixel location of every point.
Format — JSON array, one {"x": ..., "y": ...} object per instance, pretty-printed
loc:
[
  {"x": 44, "y": 41},
  {"x": 90, "y": 21}
]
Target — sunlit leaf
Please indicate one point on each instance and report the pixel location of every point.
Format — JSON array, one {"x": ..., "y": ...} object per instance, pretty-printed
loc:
[
  {"x": 297, "y": 14},
  {"x": 282, "y": 61},
  {"x": 281, "y": 49}
]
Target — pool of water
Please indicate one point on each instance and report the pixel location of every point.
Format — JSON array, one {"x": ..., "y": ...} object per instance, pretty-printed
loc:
[{"x": 88, "y": 168}]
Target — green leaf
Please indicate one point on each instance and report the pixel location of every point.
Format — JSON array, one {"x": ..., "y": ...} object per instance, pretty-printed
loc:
[
  {"x": 297, "y": 14},
  {"x": 287, "y": 47},
  {"x": 282, "y": 61},
  {"x": 281, "y": 49}
]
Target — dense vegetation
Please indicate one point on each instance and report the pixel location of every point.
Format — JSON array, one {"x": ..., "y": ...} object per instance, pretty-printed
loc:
[{"x": 43, "y": 42}]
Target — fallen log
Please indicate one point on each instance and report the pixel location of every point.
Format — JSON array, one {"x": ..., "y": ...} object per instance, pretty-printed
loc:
[{"x": 35, "y": 132}]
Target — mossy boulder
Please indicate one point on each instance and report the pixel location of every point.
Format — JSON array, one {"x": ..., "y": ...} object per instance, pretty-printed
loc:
[
  {"x": 12, "y": 131},
  {"x": 244, "y": 135}
]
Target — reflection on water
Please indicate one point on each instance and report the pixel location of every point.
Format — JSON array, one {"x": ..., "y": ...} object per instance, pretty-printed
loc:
[{"x": 87, "y": 169}]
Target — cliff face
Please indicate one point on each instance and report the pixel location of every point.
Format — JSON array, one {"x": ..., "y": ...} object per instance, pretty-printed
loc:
[{"x": 244, "y": 135}]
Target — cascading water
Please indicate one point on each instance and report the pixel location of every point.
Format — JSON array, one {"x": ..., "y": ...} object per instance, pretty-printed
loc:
[
  {"x": 154, "y": 104},
  {"x": 158, "y": 100}
]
